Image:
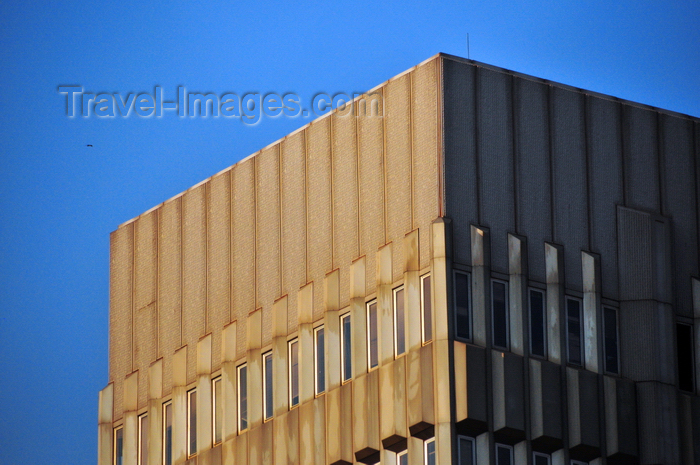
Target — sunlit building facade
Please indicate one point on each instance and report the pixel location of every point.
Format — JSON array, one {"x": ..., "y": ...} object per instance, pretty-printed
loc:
[{"x": 491, "y": 269}]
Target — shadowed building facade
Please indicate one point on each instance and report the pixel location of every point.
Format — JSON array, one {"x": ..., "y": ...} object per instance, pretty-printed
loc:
[{"x": 494, "y": 269}]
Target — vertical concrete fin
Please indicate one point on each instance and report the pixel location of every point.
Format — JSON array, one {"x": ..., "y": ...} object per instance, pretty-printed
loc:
[
  {"x": 385, "y": 303},
  {"x": 517, "y": 290},
  {"x": 412, "y": 290},
  {"x": 204, "y": 412},
  {"x": 105, "y": 409},
  {"x": 481, "y": 263},
  {"x": 554, "y": 265},
  {"x": 179, "y": 400},
  {"x": 332, "y": 329},
  {"x": 359, "y": 316},
  {"x": 590, "y": 265},
  {"x": 155, "y": 416}
]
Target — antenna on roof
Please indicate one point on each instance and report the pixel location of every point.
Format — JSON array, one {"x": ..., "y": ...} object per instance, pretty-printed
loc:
[{"x": 468, "y": 56}]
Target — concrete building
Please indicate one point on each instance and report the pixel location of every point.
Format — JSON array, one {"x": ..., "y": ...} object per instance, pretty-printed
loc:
[{"x": 497, "y": 269}]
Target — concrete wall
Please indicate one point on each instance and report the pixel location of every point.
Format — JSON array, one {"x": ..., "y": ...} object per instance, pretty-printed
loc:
[
  {"x": 582, "y": 195},
  {"x": 307, "y": 229}
]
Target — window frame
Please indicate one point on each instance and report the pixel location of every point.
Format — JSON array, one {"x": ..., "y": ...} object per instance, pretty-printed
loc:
[
  {"x": 459, "y": 449},
  {"x": 507, "y": 316},
  {"x": 394, "y": 300},
  {"x": 290, "y": 377},
  {"x": 139, "y": 446},
  {"x": 368, "y": 307},
  {"x": 190, "y": 452},
  {"x": 578, "y": 462},
  {"x": 508, "y": 448},
  {"x": 544, "y": 322},
  {"x": 617, "y": 340},
  {"x": 343, "y": 355},
  {"x": 215, "y": 401},
  {"x": 265, "y": 375},
  {"x": 470, "y": 332},
  {"x": 167, "y": 405},
  {"x": 239, "y": 399},
  {"x": 582, "y": 364},
  {"x": 403, "y": 453},
  {"x": 423, "y": 279},
  {"x": 426, "y": 443},
  {"x": 117, "y": 430},
  {"x": 541, "y": 454},
  {"x": 317, "y": 374}
]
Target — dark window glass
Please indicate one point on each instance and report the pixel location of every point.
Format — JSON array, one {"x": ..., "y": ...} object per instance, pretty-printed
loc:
[
  {"x": 540, "y": 459},
  {"x": 168, "y": 434},
  {"x": 684, "y": 339},
  {"x": 372, "y": 342},
  {"x": 192, "y": 415},
  {"x": 463, "y": 329},
  {"x": 320, "y": 362},
  {"x": 504, "y": 455},
  {"x": 427, "y": 307},
  {"x": 400, "y": 323},
  {"x": 347, "y": 347},
  {"x": 294, "y": 373},
  {"x": 499, "y": 307},
  {"x": 573, "y": 331},
  {"x": 242, "y": 397},
  {"x": 610, "y": 327},
  {"x": 119, "y": 446},
  {"x": 537, "y": 323},
  {"x": 267, "y": 358},
  {"x": 466, "y": 451}
]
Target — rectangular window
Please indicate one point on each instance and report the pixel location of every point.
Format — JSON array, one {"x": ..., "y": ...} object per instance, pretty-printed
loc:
[
  {"x": 372, "y": 341},
  {"x": 143, "y": 439},
  {"x": 574, "y": 331},
  {"x": 242, "y": 398},
  {"x": 319, "y": 360},
  {"x": 576, "y": 462},
  {"x": 504, "y": 455},
  {"x": 684, "y": 342},
  {"x": 610, "y": 342},
  {"x": 462, "y": 295},
  {"x": 429, "y": 446},
  {"x": 466, "y": 451},
  {"x": 293, "y": 373},
  {"x": 538, "y": 324},
  {"x": 168, "y": 433},
  {"x": 346, "y": 346},
  {"x": 119, "y": 446},
  {"x": 402, "y": 458},
  {"x": 399, "y": 322},
  {"x": 499, "y": 314},
  {"x": 217, "y": 411},
  {"x": 192, "y": 423},
  {"x": 540, "y": 459},
  {"x": 267, "y": 385},
  {"x": 426, "y": 308}
]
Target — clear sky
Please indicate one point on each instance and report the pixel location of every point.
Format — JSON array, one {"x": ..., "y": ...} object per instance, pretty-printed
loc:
[{"x": 60, "y": 199}]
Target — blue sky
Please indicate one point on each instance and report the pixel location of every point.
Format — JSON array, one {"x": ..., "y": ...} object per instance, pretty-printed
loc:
[{"x": 60, "y": 199}]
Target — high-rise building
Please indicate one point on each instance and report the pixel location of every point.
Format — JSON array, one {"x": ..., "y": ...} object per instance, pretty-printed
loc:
[{"x": 467, "y": 266}]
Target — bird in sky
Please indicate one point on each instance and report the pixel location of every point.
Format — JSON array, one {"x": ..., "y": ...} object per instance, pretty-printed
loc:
[{"x": 89, "y": 145}]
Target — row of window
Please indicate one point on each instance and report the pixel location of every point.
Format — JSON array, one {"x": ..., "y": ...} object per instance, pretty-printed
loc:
[
  {"x": 500, "y": 325},
  {"x": 504, "y": 454},
  {"x": 293, "y": 376}
]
